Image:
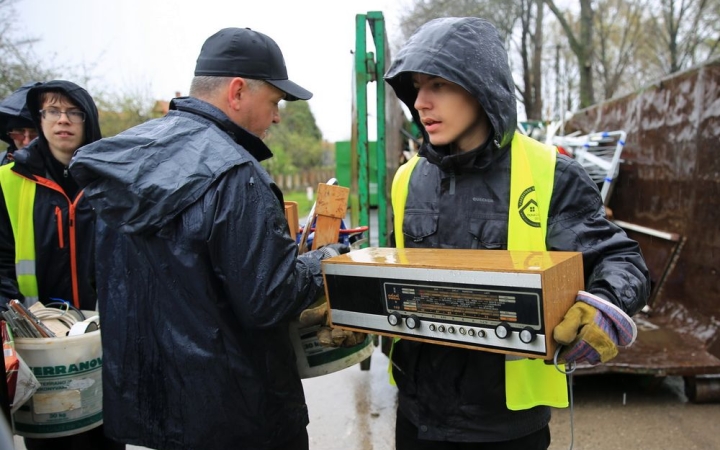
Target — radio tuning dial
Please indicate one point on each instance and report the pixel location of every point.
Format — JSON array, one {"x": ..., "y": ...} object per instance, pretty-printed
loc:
[
  {"x": 412, "y": 322},
  {"x": 527, "y": 335},
  {"x": 394, "y": 318},
  {"x": 502, "y": 330}
]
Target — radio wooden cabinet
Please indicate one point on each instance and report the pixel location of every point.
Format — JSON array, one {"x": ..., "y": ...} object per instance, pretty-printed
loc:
[{"x": 491, "y": 300}]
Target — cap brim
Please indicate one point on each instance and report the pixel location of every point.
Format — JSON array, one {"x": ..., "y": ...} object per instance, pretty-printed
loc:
[{"x": 292, "y": 91}]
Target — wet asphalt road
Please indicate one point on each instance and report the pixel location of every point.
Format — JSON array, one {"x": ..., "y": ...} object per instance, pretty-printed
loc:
[{"x": 354, "y": 409}]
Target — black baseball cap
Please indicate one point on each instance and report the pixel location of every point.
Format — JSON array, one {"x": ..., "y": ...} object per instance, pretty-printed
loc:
[{"x": 242, "y": 52}]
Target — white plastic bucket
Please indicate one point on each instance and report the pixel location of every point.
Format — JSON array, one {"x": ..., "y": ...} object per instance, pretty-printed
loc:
[
  {"x": 314, "y": 360},
  {"x": 69, "y": 399}
]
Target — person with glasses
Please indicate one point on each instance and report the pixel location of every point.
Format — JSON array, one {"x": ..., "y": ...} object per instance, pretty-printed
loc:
[
  {"x": 16, "y": 125},
  {"x": 57, "y": 258}
]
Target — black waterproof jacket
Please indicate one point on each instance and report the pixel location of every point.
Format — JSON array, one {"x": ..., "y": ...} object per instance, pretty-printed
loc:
[
  {"x": 197, "y": 281},
  {"x": 462, "y": 201},
  {"x": 64, "y": 224}
]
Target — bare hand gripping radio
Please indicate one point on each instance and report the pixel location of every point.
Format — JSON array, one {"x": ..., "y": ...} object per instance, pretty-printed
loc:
[{"x": 493, "y": 300}]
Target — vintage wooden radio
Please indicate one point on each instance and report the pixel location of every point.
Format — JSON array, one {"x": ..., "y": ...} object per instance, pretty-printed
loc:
[{"x": 493, "y": 300}]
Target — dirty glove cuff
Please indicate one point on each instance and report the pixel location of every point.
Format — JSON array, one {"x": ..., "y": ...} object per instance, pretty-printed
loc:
[{"x": 592, "y": 329}]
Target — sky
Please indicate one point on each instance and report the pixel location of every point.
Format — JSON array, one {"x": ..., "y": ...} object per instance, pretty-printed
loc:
[{"x": 150, "y": 46}]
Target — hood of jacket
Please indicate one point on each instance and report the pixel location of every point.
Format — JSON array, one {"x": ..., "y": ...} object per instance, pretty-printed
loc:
[
  {"x": 14, "y": 107},
  {"x": 467, "y": 51},
  {"x": 78, "y": 95},
  {"x": 142, "y": 178},
  {"x": 36, "y": 157}
]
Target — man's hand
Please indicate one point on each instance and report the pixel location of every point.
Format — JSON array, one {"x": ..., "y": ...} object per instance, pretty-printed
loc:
[
  {"x": 332, "y": 250},
  {"x": 329, "y": 337},
  {"x": 592, "y": 329}
]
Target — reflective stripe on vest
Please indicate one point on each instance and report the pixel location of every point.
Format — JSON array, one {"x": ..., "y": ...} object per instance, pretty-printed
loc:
[
  {"x": 528, "y": 382},
  {"x": 19, "y": 194}
]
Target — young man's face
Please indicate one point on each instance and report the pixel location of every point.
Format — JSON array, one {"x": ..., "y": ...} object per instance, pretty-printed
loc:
[
  {"x": 22, "y": 136},
  {"x": 62, "y": 125},
  {"x": 259, "y": 109},
  {"x": 449, "y": 113}
]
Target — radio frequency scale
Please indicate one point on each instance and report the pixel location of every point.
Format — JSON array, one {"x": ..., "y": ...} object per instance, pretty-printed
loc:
[{"x": 493, "y": 300}]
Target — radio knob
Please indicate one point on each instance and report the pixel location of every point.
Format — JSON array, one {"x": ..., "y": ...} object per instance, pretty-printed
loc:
[
  {"x": 527, "y": 335},
  {"x": 462, "y": 331},
  {"x": 394, "y": 318},
  {"x": 451, "y": 330},
  {"x": 502, "y": 330},
  {"x": 471, "y": 332},
  {"x": 412, "y": 322},
  {"x": 432, "y": 327},
  {"x": 441, "y": 328},
  {"x": 481, "y": 333}
]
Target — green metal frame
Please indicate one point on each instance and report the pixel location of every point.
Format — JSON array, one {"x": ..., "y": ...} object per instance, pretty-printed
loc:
[{"x": 369, "y": 67}]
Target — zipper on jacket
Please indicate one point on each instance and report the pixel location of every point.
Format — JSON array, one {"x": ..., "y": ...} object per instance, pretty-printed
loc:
[
  {"x": 58, "y": 220},
  {"x": 50, "y": 184},
  {"x": 452, "y": 183}
]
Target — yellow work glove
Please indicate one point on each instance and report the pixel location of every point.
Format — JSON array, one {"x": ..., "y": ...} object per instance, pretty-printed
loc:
[
  {"x": 592, "y": 329},
  {"x": 327, "y": 336}
]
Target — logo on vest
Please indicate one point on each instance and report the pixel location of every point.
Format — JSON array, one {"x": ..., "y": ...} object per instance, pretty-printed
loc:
[{"x": 528, "y": 208}]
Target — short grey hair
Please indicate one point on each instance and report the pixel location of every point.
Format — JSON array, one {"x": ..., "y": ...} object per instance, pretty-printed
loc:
[{"x": 205, "y": 86}]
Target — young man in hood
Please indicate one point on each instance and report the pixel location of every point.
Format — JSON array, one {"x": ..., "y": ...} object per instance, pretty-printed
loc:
[
  {"x": 477, "y": 183},
  {"x": 204, "y": 277},
  {"x": 58, "y": 259},
  {"x": 16, "y": 125}
]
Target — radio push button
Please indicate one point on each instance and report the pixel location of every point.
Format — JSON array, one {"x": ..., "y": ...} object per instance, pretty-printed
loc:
[
  {"x": 503, "y": 330},
  {"x": 527, "y": 335},
  {"x": 394, "y": 318},
  {"x": 412, "y": 322}
]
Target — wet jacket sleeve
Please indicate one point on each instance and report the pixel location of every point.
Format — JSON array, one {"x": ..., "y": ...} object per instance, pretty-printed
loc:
[
  {"x": 254, "y": 256},
  {"x": 613, "y": 263},
  {"x": 8, "y": 284}
]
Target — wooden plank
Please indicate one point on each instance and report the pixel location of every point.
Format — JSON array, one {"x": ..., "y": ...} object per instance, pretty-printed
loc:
[
  {"x": 291, "y": 214},
  {"x": 330, "y": 208}
]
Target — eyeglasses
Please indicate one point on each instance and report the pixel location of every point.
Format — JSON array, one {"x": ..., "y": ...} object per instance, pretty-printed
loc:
[
  {"x": 29, "y": 133},
  {"x": 55, "y": 114}
]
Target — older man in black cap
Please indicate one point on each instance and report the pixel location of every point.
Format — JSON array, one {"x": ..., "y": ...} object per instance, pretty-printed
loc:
[{"x": 204, "y": 277}]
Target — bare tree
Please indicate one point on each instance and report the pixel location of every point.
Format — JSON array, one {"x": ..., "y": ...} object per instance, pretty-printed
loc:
[
  {"x": 619, "y": 28},
  {"x": 18, "y": 65},
  {"x": 581, "y": 44},
  {"x": 531, "y": 51},
  {"x": 683, "y": 33}
]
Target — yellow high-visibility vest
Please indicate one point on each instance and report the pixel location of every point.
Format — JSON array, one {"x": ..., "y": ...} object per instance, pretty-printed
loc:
[
  {"x": 528, "y": 382},
  {"x": 19, "y": 194}
]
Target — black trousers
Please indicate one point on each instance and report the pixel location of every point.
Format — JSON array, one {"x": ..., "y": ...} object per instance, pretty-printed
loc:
[
  {"x": 89, "y": 440},
  {"x": 96, "y": 440},
  {"x": 299, "y": 442},
  {"x": 406, "y": 438}
]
